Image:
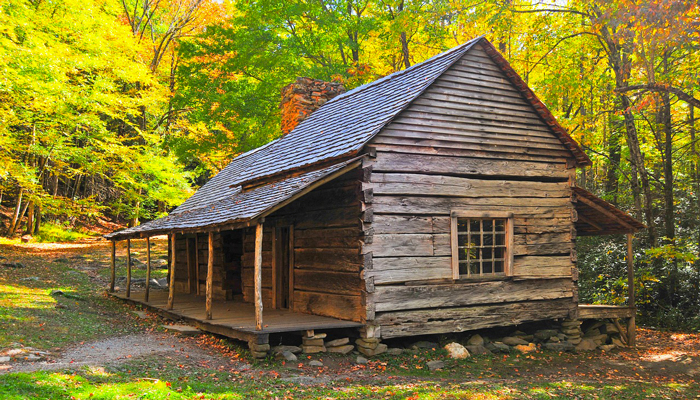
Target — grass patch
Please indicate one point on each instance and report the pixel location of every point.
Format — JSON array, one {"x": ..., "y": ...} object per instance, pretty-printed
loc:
[{"x": 52, "y": 232}]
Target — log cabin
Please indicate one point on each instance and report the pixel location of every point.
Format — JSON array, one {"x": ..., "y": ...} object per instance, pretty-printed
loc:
[{"x": 437, "y": 199}]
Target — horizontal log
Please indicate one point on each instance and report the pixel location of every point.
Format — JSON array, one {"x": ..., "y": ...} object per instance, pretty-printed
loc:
[
  {"x": 406, "y": 269},
  {"x": 392, "y": 245},
  {"x": 437, "y": 321},
  {"x": 521, "y": 207},
  {"x": 439, "y": 185},
  {"x": 396, "y": 298},
  {"x": 456, "y": 166},
  {"x": 542, "y": 267},
  {"x": 347, "y": 260},
  {"x": 347, "y": 283},
  {"x": 471, "y": 154},
  {"x": 331, "y": 305}
]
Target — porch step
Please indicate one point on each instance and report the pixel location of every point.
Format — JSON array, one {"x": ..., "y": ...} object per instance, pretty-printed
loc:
[{"x": 183, "y": 329}]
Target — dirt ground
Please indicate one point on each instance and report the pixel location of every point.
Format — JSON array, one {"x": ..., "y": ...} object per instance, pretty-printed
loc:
[{"x": 664, "y": 357}]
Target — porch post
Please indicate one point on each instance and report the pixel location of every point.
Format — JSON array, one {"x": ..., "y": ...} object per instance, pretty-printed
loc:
[
  {"x": 210, "y": 273},
  {"x": 148, "y": 269},
  {"x": 631, "y": 324},
  {"x": 171, "y": 285},
  {"x": 113, "y": 266},
  {"x": 128, "y": 267},
  {"x": 258, "y": 276},
  {"x": 196, "y": 261}
]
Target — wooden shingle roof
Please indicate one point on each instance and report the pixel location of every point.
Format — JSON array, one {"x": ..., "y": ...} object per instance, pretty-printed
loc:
[
  {"x": 598, "y": 217},
  {"x": 333, "y": 134}
]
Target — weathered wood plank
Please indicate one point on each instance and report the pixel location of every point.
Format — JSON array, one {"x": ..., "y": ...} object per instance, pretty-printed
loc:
[
  {"x": 396, "y": 298},
  {"x": 330, "y": 305},
  {"x": 347, "y": 260},
  {"x": 347, "y": 283},
  {"x": 424, "y": 322},
  {"x": 455, "y": 166},
  {"x": 542, "y": 266},
  {"x": 594, "y": 311},
  {"x": 392, "y": 245},
  {"x": 521, "y": 207},
  {"x": 438, "y": 185},
  {"x": 405, "y": 149},
  {"x": 406, "y": 269}
]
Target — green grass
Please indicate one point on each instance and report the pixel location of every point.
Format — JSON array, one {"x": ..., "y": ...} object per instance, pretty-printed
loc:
[{"x": 52, "y": 232}]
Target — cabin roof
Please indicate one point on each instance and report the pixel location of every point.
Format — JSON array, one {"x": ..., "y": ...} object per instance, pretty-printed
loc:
[
  {"x": 598, "y": 217},
  {"x": 335, "y": 132}
]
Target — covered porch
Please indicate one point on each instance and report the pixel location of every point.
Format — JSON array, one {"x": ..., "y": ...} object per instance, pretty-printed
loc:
[
  {"x": 233, "y": 318},
  {"x": 595, "y": 217}
]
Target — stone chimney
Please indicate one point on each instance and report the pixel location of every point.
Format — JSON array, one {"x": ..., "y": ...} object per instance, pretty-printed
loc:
[{"x": 304, "y": 96}]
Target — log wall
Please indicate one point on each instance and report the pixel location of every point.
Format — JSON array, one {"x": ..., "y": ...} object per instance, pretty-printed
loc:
[
  {"x": 470, "y": 142},
  {"x": 327, "y": 273},
  {"x": 227, "y": 254}
]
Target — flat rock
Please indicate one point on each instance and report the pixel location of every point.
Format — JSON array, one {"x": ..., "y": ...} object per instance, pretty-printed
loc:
[
  {"x": 559, "y": 347},
  {"x": 341, "y": 349},
  {"x": 476, "y": 340},
  {"x": 140, "y": 314},
  {"x": 5, "y": 359},
  {"x": 312, "y": 341},
  {"x": 498, "y": 347},
  {"x": 607, "y": 347},
  {"x": 282, "y": 349},
  {"x": 437, "y": 364},
  {"x": 457, "y": 351},
  {"x": 380, "y": 349},
  {"x": 513, "y": 341},
  {"x": 182, "y": 329},
  {"x": 13, "y": 265},
  {"x": 478, "y": 350},
  {"x": 338, "y": 342},
  {"x": 313, "y": 349},
  {"x": 361, "y": 360},
  {"x": 365, "y": 344}
]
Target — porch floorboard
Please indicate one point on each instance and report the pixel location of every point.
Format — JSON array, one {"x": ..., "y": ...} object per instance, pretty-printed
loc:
[{"x": 234, "y": 319}]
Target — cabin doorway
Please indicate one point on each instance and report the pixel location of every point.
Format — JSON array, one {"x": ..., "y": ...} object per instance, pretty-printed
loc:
[{"x": 283, "y": 267}]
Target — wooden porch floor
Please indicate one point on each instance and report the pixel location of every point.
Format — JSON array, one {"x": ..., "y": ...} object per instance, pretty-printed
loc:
[
  {"x": 599, "y": 311},
  {"x": 234, "y": 319}
]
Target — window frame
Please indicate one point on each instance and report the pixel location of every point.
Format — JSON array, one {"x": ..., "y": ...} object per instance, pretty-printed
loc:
[{"x": 454, "y": 243}]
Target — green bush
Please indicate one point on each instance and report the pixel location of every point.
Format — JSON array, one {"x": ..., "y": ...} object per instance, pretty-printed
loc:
[{"x": 54, "y": 232}]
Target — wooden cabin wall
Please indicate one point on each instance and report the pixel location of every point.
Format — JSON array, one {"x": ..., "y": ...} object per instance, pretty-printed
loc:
[
  {"x": 223, "y": 287},
  {"x": 327, "y": 263},
  {"x": 470, "y": 142}
]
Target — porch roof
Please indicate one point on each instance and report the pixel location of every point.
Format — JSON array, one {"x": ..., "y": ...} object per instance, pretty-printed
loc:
[
  {"x": 598, "y": 217},
  {"x": 239, "y": 206}
]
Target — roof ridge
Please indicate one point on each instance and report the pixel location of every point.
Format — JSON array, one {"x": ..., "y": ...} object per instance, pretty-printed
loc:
[{"x": 404, "y": 71}]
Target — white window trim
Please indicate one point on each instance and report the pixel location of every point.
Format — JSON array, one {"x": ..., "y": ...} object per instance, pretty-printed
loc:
[{"x": 508, "y": 216}]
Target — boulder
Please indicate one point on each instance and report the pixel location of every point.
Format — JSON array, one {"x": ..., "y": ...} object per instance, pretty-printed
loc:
[
  {"x": 607, "y": 347},
  {"x": 526, "y": 348},
  {"x": 611, "y": 328},
  {"x": 586, "y": 345},
  {"x": 545, "y": 334},
  {"x": 498, "y": 347},
  {"x": 437, "y": 364},
  {"x": 478, "y": 350},
  {"x": 315, "y": 363},
  {"x": 554, "y": 339},
  {"x": 424, "y": 345},
  {"x": 559, "y": 347},
  {"x": 592, "y": 332},
  {"x": 26, "y": 238},
  {"x": 456, "y": 350},
  {"x": 513, "y": 341},
  {"x": 287, "y": 356},
  {"x": 617, "y": 342},
  {"x": 575, "y": 340},
  {"x": 394, "y": 351},
  {"x": 476, "y": 340}
]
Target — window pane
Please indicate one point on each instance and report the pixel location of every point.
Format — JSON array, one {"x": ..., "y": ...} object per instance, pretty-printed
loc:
[
  {"x": 481, "y": 246},
  {"x": 488, "y": 267},
  {"x": 474, "y": 268},
  {"x": 500, "y": 225},
  {"x": 475, "y": 225},
  {"x": 500, "y": 239},
  {"x": 487, "y": 251},
  {"x": 488, "y": 239},
  {"x": 498, "y": 266},
  {"x": 488, "y": 225}
]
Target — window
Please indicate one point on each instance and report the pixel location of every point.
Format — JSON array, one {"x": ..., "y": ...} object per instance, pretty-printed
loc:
[{"x": 481, "y": 244}]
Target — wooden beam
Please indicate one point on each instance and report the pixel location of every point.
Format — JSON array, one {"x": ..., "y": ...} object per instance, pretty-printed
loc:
[
  {"x": 196, "y": 260},
  {"x": 210, "y": 273},
  {"x": 604, "y": 211},
  {"x": 148, "y": 269},
  {"x": 113, "y": 267},
  {"x": 171, "y": 285},
  {"x": 589, "y": 222},
  {"x": 631, "y": 323},
  {"x": 190, "y": 278},
  {"x": 291, "y": 267},
  {"x": 258, "y": 276},
  {"x": 128, "y": 267}
]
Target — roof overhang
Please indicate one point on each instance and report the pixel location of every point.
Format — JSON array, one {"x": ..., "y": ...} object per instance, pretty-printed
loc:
[
  {"x": 252, "y": 205},
  {"x": 598, "y": 217}
]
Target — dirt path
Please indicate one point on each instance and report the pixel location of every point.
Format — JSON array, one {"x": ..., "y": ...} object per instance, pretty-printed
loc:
[{"x": 116, "y": 350}]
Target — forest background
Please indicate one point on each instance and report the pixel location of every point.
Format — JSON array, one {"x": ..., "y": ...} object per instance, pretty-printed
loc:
[{"x": 119, "y": 109}]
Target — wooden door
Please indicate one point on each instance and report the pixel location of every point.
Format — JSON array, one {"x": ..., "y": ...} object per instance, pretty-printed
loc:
[{"x": 283, "y": 268}]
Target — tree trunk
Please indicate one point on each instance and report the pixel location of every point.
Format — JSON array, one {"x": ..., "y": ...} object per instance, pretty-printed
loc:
[
  {"x": 30, "y": 218},
  {"x": 37, "y": 220},
  {"x": 15, "y": 215}
]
